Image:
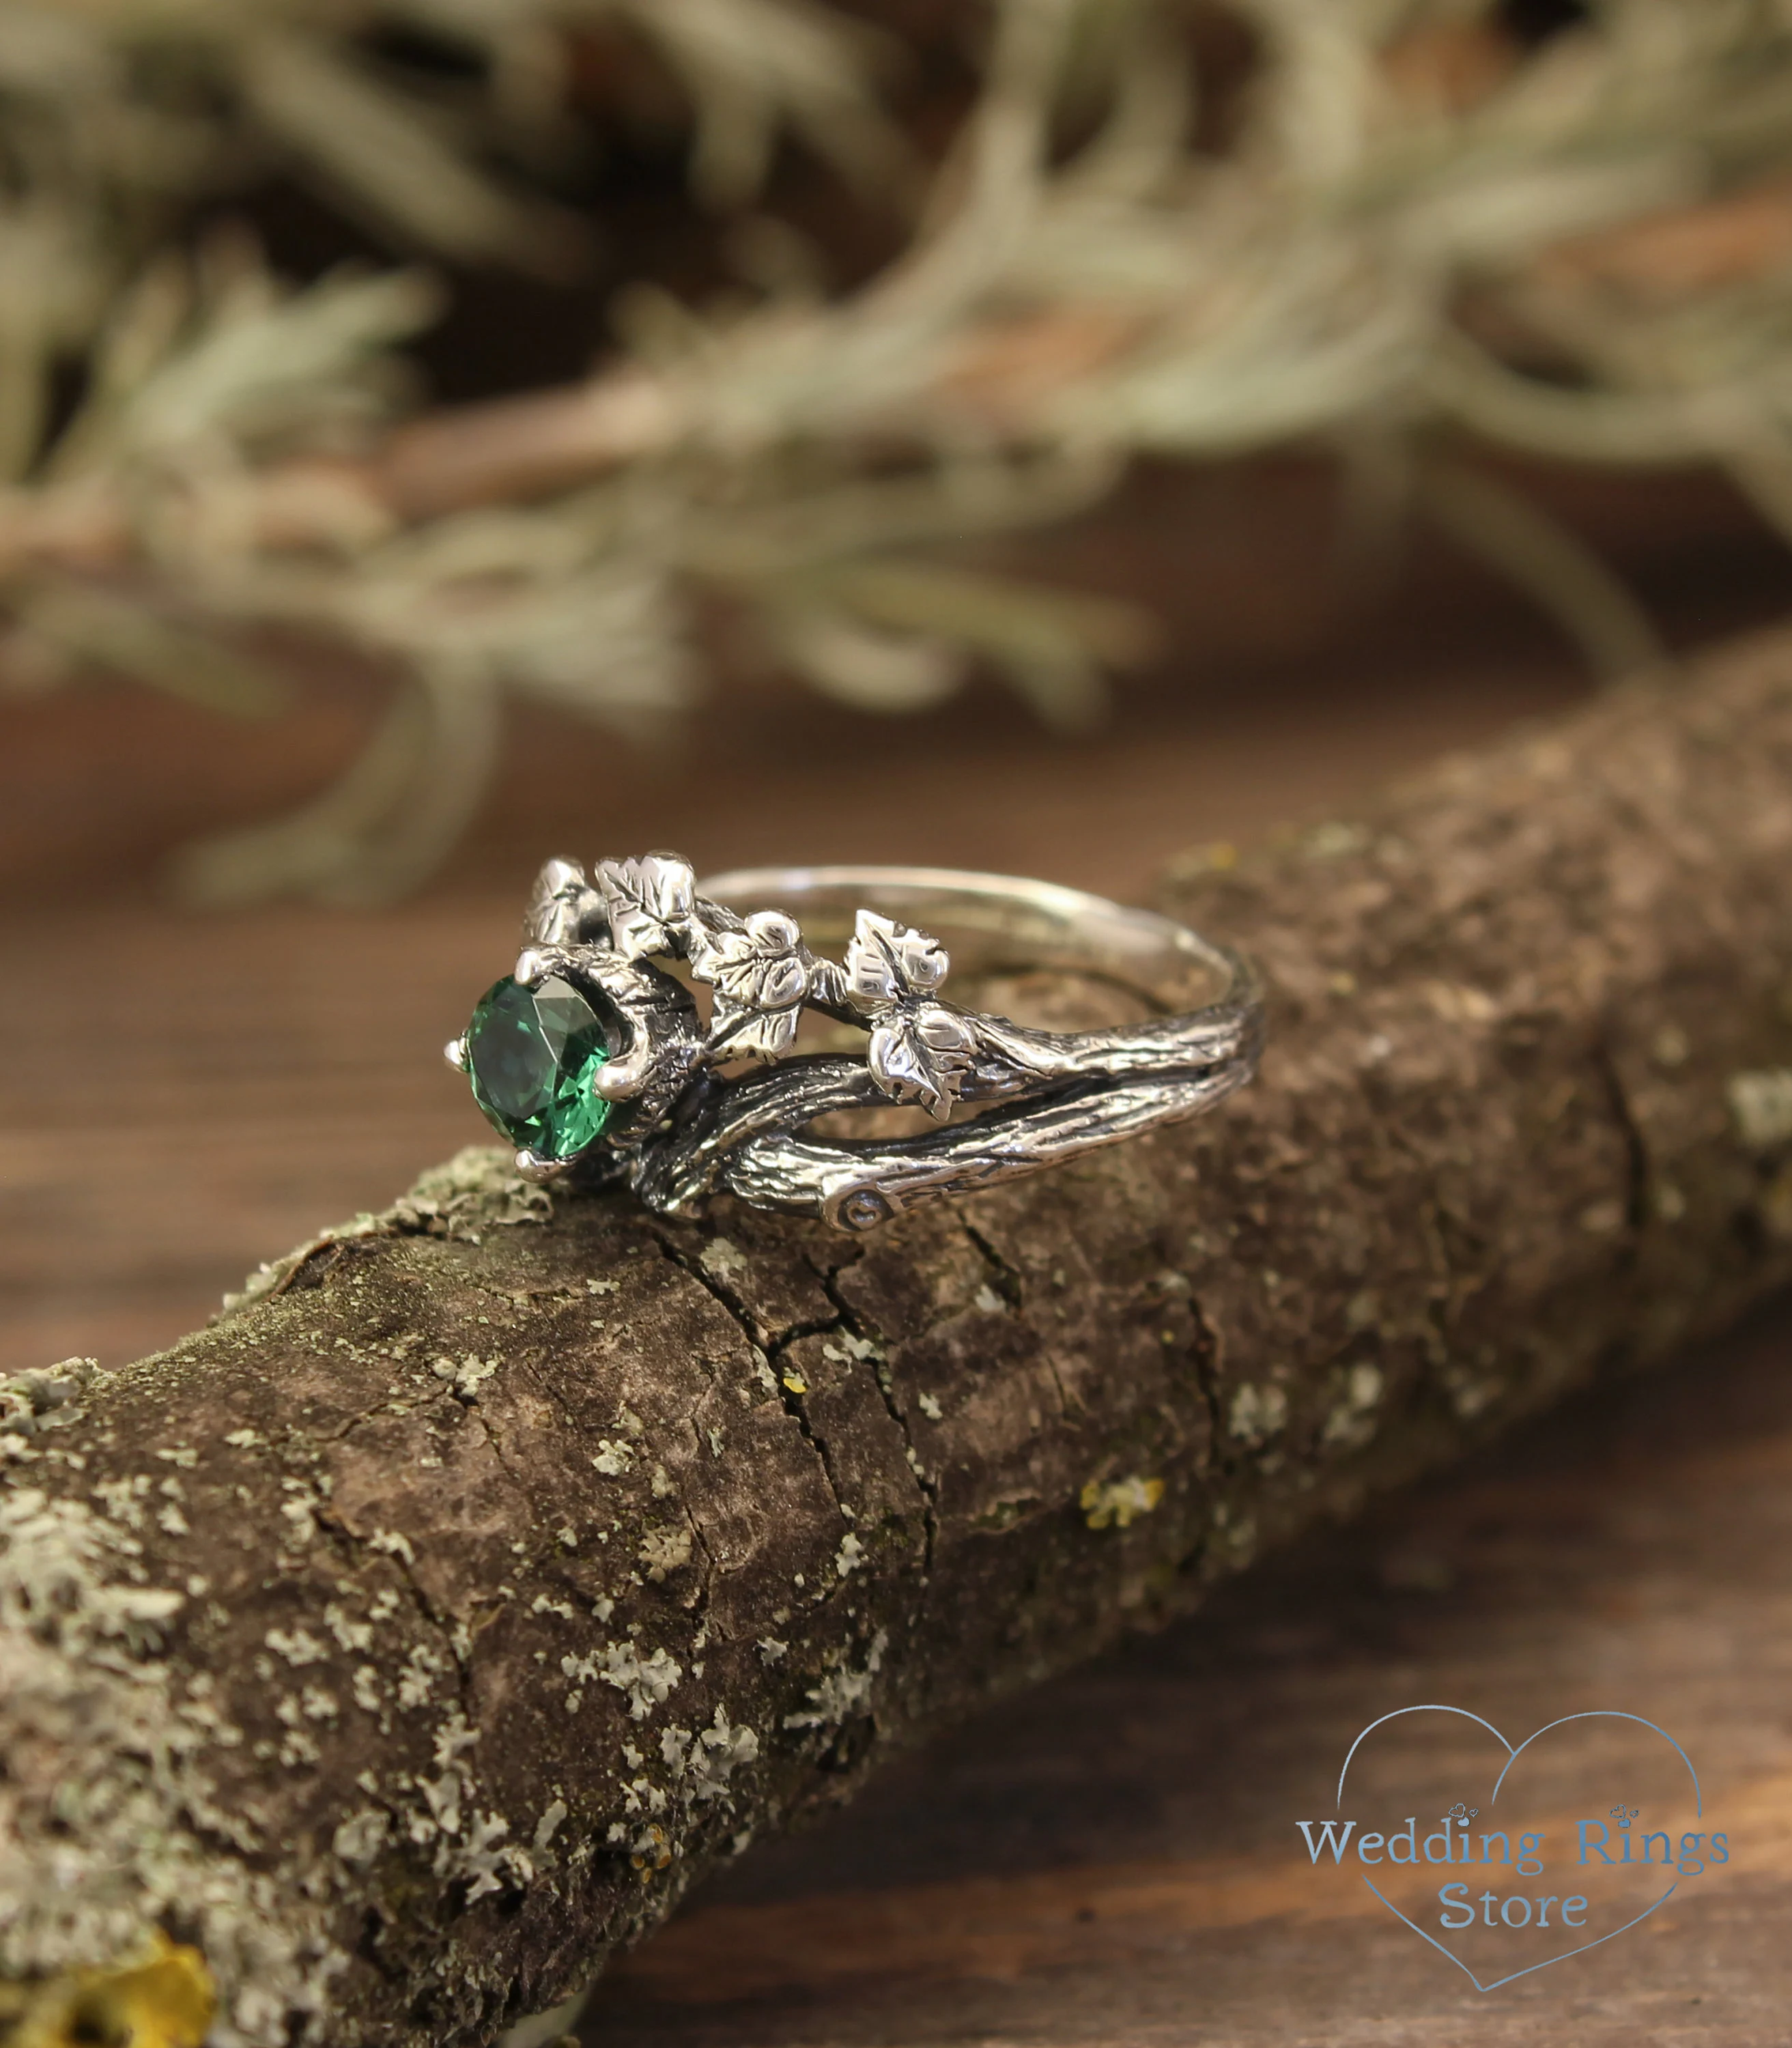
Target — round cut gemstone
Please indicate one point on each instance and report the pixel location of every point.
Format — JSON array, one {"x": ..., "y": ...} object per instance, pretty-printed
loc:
[{"x": 531, "y": 1055}]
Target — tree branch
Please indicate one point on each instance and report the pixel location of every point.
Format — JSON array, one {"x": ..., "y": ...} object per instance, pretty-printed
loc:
[
  {"x": 421, "y": 1631},
  {"x": 1002, "y": 377}
]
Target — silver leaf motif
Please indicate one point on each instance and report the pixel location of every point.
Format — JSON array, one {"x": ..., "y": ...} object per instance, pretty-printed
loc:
[
  {"x": 922, "y": 1053},
  {"x": 886, "y": 962},
  {"x": 738, "y": 1031},
  {"x": 650, "y": 902},
  {"x": 760, "y": 975},
  {"x": 563, "y": 905},
  {"x": 762, "y": 965}
]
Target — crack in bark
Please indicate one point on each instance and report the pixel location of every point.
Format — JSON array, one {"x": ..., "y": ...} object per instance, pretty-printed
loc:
[
  {"x": 1639, "y": 1170},
  {"x": 1009, "y": 1283},
  {"x": 770, "y": 1353},
  {"x": 928, "y": 1488},
  {"x": 1207, "y": 1373},
  {"x": 706, "y": 1579},
  {"x": 1011, "y": 1286}
]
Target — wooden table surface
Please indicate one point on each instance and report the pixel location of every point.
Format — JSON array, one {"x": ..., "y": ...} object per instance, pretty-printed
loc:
[{"x": 1111, "y": 1859}]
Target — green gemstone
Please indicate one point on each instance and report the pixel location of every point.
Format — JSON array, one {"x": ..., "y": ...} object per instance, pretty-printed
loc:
[{"x": 531, "y": 1056}]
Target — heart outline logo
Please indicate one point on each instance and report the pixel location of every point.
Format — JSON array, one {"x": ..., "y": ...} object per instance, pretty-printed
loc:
[{"x": 1513, "y": 1753}]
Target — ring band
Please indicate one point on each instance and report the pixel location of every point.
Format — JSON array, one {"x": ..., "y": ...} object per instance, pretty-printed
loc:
[{"x": 599, "y": 1063}]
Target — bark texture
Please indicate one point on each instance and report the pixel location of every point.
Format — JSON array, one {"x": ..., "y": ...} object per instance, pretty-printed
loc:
[{"x": 422, "y": 1629}]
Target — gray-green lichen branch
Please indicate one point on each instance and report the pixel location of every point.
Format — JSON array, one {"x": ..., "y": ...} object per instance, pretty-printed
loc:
[
  {"x": 495, "y": 1566},
  {"x": 1429, "y": 235}
]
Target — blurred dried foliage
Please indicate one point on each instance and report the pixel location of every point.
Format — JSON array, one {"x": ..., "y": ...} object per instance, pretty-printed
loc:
[{"x": 1424, "y": 229}]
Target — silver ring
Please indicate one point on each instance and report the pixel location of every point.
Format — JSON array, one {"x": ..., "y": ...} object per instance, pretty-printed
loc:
[{"x": 603, "y": 1065}]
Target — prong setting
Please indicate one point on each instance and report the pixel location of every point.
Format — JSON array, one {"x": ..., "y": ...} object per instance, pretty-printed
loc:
[{"x": 617, "y": 1080}]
